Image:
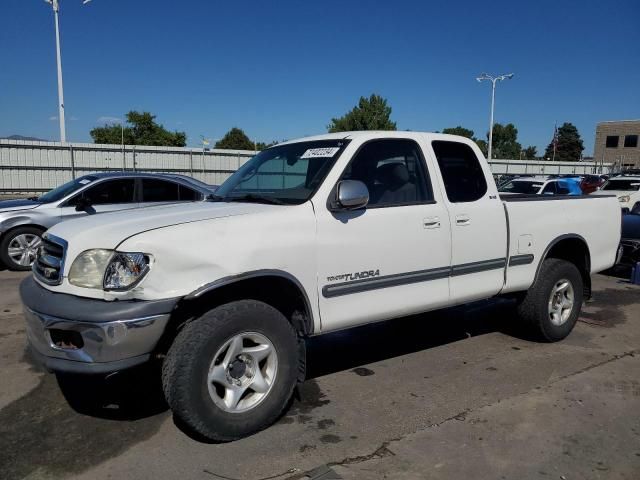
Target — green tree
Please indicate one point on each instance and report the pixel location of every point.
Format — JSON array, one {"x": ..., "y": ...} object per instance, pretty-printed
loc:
[
  {"x": 505, "y": 141},
  {"x": 483, "y": 146},
  {"x": 371, "y": 113},
  {"x": 142, "y": 129},
  {"x": 569, "y": 145},
  {"x": 235, "y": 139},
  {"x": 530, "y": 153},
  {"x": 463, "y": 132},
  {"x": 263, "y": 145}
]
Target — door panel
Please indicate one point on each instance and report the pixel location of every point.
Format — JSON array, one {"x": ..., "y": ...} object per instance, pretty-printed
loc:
[
  {"x": 390, "y": 246},
  {"x": 478, "y": 223},
  {"x": 392, "y": 258}
]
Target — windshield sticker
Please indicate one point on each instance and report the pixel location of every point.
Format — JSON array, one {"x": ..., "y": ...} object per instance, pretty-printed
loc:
[
  {"x": 84, "y": 181},
  {"x": 327, "y": 152}
]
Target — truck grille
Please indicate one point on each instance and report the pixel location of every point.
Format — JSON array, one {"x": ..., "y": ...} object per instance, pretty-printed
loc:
[{"x": 49, "y": 265}]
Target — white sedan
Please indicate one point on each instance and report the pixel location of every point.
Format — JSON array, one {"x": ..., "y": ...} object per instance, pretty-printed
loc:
[{"x": 626, "y": 188}]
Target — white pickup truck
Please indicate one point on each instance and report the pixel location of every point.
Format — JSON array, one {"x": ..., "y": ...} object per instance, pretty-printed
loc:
[{"x": 308, "y": 237}]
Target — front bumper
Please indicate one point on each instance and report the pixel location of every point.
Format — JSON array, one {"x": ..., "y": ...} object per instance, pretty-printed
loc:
[{"x": 82, "y": 335}]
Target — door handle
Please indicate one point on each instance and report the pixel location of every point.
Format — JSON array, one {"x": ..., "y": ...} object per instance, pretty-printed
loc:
[
  {"x": 462, "y": 220},
  {"x": 431, "y": 222}
]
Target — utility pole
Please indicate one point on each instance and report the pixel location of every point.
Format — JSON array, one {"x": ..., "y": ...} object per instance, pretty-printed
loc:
[
  {"x": 55, "y": 5},
  {"x": 555, "y": 140},
  {"x": 493, "y": 79}
]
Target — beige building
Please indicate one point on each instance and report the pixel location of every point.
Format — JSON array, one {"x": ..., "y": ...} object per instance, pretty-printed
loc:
[{"x": 618, "y": 142}]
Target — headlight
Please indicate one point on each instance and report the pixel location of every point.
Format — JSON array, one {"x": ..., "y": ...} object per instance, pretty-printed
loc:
[
  {"x": 125, "y": 270},
  {"x": 624, "y": 198},
  {"x": 88, "y": 268},
  {"x": 108, "y": 269}
]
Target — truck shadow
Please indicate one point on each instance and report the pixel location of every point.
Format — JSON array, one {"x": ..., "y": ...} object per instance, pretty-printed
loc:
[
  {"x": 354, "y": 347},
  {"x": 137, "y": 393}
]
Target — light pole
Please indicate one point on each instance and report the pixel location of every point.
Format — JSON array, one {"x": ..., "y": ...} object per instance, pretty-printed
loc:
[
  {"x": 493, "y": 79},
  {"x": 56, "y": 8}
]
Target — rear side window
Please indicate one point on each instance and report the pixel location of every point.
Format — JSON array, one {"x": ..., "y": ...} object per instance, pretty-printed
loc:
[
  {"x": 187, "y": 194},
  {"x": 463, "y": 177},
  {"x": 155, "y": 190}
]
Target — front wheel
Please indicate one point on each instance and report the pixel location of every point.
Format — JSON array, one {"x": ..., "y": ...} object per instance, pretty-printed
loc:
[
  {"x": 551, "y": 307},
  {"x": 232, "y": 372},
  {"x": 19, "y": 248}
]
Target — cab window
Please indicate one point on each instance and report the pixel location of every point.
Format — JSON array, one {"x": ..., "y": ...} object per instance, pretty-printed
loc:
[
  {"x": 394, "y": 172},
  {"x": 462, "y": 174}
]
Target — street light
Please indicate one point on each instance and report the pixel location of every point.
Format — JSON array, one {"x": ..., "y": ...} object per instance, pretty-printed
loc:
[
  {"x": 493, "y": 79},
  {"x": 55, "y": 4}
]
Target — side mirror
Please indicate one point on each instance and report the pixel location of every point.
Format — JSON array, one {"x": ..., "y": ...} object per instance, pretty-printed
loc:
[
  {"x": 82, "y": 205},
  {"x": 352, "y": 195}
]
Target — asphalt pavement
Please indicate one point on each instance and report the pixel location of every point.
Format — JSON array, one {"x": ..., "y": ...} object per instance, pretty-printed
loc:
[{"x": 451, "y": 394}]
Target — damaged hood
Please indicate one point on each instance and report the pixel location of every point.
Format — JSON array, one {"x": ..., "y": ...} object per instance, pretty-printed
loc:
[{"x": 108, "y": 230}]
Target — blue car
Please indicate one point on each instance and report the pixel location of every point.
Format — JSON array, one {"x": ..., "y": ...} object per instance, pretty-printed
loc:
[{"x": 542, "y": 186}]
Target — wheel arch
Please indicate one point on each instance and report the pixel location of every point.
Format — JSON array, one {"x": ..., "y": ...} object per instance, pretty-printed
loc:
[
  {"x": 22, "y": 225},
  {"x": 277, "y": 288},
  {"x": 572, "y": 248}
]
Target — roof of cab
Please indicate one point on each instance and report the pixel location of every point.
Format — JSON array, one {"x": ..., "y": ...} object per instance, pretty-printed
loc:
[{"x": 371, "y": 134}]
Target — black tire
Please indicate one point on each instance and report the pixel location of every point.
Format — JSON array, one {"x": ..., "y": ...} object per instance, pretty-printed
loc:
[
  {"x": 185, "y": 370},
  {"x": 8, "y": 238},
  {"x": 533, "y": 309}
]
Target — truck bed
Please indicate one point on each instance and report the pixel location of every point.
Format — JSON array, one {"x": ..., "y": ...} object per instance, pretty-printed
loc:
[{"x": 536, "y": 222}]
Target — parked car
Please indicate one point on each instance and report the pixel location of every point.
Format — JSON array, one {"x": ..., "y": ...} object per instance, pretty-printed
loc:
[
  {"x": 22, "y": 222},
  {"x": 542, "y": 186},
  {"x": 591, "y": 183},
  {"x": 626, "y": 188},
  {"x": 629, "y": 252},
  {"x": 307, "y": 237}
]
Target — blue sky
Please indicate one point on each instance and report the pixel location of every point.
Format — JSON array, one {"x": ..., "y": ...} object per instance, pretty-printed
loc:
[{"x": 282, "y": 69}]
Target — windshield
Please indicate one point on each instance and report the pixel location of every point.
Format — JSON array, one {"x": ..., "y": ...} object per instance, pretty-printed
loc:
[
  {"x": 66, "y": 189},
  {"x": 623, "y": 185},
  {"x": 521, "y": 186},
  {"x": 287, "y": 174}
]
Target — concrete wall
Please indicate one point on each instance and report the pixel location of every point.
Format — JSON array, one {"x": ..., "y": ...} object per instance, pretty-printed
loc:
[{"x": 622, "y": 156}]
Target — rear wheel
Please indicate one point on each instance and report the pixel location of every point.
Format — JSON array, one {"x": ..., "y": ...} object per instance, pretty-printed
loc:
[
  {"x": 232, "y": 372},
  {"x": 19, "y": 247},
  {"x": 551, "y": 307}
]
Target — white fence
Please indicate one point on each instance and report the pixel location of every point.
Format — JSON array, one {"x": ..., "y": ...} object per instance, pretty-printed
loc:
[
  {"x": 30, "y": 167},
  {"x": 40, "y": 166}
]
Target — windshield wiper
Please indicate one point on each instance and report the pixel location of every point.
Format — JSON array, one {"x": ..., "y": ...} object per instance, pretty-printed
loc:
[{"x": 251, "y": 197}]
